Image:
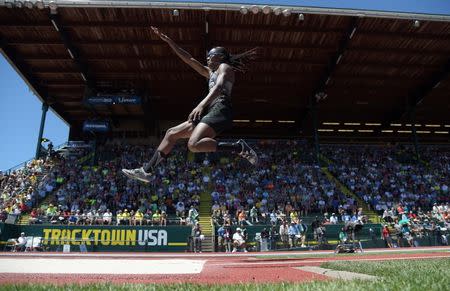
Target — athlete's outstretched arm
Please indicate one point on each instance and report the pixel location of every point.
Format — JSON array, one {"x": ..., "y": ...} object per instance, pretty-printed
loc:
[
  {"x": 225, "y": 74},
  {"x": 184, "y": 55}
]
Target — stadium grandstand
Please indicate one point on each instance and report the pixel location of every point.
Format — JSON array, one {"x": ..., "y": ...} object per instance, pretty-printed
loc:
[{"x": 348, "y": 110}]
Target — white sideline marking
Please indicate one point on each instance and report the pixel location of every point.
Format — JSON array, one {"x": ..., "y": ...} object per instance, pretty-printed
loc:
[
  {"x": 325, "y": 260},
  {"x": 343, "y": 275},
  {"x": 95, "y": 266}
]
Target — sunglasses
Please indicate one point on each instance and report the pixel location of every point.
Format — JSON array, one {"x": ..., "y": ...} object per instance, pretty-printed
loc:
[{"x": 210, "y": 55}]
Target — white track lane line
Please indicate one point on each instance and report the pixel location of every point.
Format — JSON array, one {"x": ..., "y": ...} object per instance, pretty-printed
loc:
[{"x": 104, "y": 266}]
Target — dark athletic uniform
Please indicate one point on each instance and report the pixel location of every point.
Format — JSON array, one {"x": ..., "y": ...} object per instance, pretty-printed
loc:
[{"x": 219, "y": 114}]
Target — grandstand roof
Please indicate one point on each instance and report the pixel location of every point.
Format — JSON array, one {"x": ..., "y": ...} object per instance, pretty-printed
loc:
[{"x": 373, "y": 69}]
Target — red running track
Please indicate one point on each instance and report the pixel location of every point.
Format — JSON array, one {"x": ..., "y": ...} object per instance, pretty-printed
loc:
[{"x": 217, "y": 270}]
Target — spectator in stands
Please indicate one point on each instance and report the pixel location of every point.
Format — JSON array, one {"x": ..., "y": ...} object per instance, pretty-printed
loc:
[
  {"x": 197, "y": 237},
  {"x": 138, "y": 217},
  {"x": 156, "y": 218},
  {"x": 21, "y": 243},
  {"x": 126, "y": 217},
  {"x": 72, "y": 219},
  {"x": 387, "y": 237},
  {"x": 239, "y": 241},
  {"x": 284, "y": 233},
  {"x": 192, "y": 215},
  {"x": 119, "y": 218},
  {"x": 343, "y": 238},
  {"x": 107, "y": 217},
  {"x": 163, "y": 218},
  {"x": 302, "y": 229},
  {"x": 254, "y": 214},
  {"x": 294, "y": 234},
  {"x": 333, "y": 219}
]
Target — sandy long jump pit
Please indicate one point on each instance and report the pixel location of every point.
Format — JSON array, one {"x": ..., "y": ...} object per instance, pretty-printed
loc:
[{"x": 105, "y": 266}]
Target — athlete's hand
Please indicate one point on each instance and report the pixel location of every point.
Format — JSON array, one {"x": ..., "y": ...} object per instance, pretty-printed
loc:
[
  {"x": 196, "y": 114},
  {"x": 160, "y": 34}
]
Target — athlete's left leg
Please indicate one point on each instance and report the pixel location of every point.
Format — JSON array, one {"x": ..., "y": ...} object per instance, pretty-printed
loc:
[{"x": 202, "y": 140}]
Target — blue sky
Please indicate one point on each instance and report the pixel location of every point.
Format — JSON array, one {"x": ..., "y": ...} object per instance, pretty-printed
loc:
[
  {"x": 20, "y": 110},
  {"x": 20, "y": 117}
]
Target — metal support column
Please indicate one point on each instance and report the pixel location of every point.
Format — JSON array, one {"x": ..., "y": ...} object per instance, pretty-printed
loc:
[
  {"x": 41, "y": 129},
  {"x": 313, "y": 104},
  {"x": 412, "y": 115}
]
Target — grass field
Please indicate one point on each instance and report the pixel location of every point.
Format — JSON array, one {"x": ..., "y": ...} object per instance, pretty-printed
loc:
[
  {"x": 420, "y": 275},
  {"x": 357, "y": 254}
]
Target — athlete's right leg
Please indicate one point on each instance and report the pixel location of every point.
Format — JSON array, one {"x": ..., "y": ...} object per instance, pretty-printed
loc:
[{"x": 183, "y": 130}]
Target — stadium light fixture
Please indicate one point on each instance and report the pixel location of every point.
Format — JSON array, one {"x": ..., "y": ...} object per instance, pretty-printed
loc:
[
  {"x": 352, "y": 123},
  {"x": 242, "y": 120},
  {"x": 255, "y": 9},
  {"x": 40, "y": 5},
  {"x": 373, "y": 124},
  {"x": 266, "y": 9},
  {"x": 441, "y": 132},
  {"x": 18, "y": 4},
  {"x": 447, "y": 125},
  {"x": 365, "y": 130},
  {"x": 423, "y": 131},
  {"x": 416, "y": 23},
  {"x": 28, "y": 4},
  {"x": 330, "y": 123},
  {"x": 286, "y": 121},
  {"x": 277, "y": 11},
  {"x": 263, "y": 121},
  {"x": 325, "y": 130},
  {"x": 346, "y": 130},
  {"x": 53, "y": 7},
  {"x": 432, "y": 125},
  {"x": 287, "y": 12},
  {"x": 244, "y": 10},
  {"x": 387, "y": 130},
  {"x": 9, "y": 4},
  {"x": 301, "y": 17},
  {"x": 404, "y": 131},
  {"x": 396, "y": 124}
]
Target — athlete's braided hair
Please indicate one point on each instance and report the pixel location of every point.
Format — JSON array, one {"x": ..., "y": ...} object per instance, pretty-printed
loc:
[{"x": 240, "y": 61}]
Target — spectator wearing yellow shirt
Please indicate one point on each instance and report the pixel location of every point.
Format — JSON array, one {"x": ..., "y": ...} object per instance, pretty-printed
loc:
[
  {"x": 156, "y": 218},
  {"x": 51, "y": 212},
  {"x": 294, "y": 216},
  {"x": 138, "y": 217},
  {"x": 119, "y": 217},
  {"x": 126, "y": 217}
]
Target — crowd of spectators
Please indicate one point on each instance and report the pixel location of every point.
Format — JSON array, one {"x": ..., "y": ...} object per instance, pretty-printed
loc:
[
  {"x": 22, "y": 189},
  {"x": 88, "y": 195},
  {"x": 378, "y": 175},
  {"x": 285, "y": 186}
]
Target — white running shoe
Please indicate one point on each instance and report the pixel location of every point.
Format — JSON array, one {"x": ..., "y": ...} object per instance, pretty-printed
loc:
[
  {"x": 138, "y": 174},
  {"x": 248, "y": 153}
]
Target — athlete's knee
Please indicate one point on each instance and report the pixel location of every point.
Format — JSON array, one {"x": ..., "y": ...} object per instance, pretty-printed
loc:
[
  {"x": 171, "y": 134},
  {"x": 193, "y": 146}
]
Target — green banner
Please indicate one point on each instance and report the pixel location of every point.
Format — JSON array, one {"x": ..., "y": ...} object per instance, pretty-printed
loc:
[{"x": 106, "y": 238}]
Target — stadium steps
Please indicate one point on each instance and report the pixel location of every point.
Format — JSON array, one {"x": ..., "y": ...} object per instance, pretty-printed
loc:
[
  {"x": 24, "y": 219},
  {"x": 372, "y": 215},
  {"x": 205, "y": 216}
]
